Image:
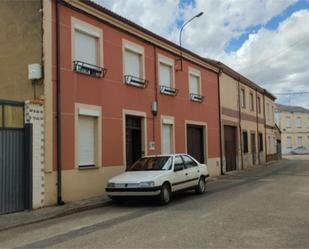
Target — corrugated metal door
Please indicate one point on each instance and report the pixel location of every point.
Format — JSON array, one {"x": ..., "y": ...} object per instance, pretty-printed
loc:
[{"x": 15, "y": 170}]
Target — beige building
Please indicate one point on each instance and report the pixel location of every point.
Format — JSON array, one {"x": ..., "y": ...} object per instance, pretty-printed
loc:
[
  {"x": 293, "y": 122},
  {"x": 248, "y": 132}
]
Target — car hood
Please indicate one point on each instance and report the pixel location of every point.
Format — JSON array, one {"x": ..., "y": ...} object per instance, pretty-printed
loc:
[{"x": 137, "y": 176}]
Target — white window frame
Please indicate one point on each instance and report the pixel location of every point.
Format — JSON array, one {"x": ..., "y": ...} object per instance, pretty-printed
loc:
[
  {"x": 243, "y": 97},
  {"x": 135, "y": 48},
  {"x": 197, "y": 73},
  {"x": 169, "y": 62},
  {"x": 91, "y": 30},
  {"x": 92, "y": 111},
  {"x": 169, "y": 120}
]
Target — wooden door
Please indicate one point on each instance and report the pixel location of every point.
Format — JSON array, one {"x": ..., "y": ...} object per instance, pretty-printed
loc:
[
  {"x": 133, "y": 139},
  {"x": 230, "y": 147},
  {"x": 195, "y": 142},
  {"x": 253, "y": 148}
]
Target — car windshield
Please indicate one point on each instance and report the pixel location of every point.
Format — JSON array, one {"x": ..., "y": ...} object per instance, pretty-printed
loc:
[{"x": 152, "y": 163}]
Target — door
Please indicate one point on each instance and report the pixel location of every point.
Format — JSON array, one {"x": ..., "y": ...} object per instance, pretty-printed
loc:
[
  {"x": 195, "y": 142},
  {"x": 230, "y": 147},
  {"x": 253, "y": 148},
  {"x": 192, "y": 170},
  {"x": 180, "y": 177},
  {"x": 133, "y": 139}
]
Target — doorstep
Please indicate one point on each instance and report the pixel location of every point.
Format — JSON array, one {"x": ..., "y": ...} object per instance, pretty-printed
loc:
[{"x": 8, "y": 221}]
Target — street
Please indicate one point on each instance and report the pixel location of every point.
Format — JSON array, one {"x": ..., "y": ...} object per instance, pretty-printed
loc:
[{"x": 265, "y": 207}]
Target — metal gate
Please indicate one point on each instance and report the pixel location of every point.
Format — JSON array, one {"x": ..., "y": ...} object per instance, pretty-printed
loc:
[{"x": 15, "y": 162}]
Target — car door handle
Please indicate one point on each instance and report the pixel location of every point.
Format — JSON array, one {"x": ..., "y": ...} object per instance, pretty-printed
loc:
[{"x": 198, "y": 171}]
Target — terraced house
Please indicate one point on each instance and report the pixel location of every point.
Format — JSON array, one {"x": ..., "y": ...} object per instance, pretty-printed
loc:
[
  {"x": 98, "y": 91},
  {"x": 249, "y": 134}
]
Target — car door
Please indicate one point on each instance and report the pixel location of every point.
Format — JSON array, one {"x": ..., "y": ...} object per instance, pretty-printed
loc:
[
  {"x": 192, "y": 170},
  {"x": 180, "y": 175}
]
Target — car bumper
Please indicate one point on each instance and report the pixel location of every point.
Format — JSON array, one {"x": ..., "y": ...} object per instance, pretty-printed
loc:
[{"x": 133, "y": 191}]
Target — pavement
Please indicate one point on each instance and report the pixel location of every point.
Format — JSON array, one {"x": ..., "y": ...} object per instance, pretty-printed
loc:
[
  {"x": 263, "y": 207},
  {"x": 8, "y": 221}
]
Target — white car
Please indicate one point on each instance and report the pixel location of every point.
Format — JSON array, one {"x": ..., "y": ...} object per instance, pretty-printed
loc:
[{"x": 159, "y": 176}]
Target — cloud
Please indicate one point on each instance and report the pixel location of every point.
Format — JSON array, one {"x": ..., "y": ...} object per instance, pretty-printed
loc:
[{"x": 275, "y": 59}]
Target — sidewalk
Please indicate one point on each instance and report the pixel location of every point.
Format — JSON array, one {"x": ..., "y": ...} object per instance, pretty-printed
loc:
[{"x": 8, "y": 221}]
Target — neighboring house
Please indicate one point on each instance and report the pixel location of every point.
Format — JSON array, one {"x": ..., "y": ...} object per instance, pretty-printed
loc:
[
  {"x": 293, "y": 122},
  {"x": 21, "y": 106},
  {"x": 247, "y": 121},
  {"x": 110, "y": 92}
]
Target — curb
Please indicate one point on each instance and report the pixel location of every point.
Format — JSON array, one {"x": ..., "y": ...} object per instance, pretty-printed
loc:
[{"x": 58, "y": 214}]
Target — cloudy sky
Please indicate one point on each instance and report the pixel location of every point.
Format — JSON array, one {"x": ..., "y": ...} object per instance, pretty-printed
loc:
[{"x": 265, "y": 40}]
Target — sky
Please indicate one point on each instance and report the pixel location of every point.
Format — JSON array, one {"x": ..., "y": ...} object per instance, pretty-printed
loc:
[{"x": 264, "y": 40}]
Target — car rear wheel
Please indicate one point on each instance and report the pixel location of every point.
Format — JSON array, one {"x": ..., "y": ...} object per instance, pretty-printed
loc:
[
  {"x": 165, "y": 194},
  {"x": 201, "y": 186}
]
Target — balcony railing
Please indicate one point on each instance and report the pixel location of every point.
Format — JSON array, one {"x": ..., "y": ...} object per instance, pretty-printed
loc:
[
  {"x": 89, "y": 69},
  {"x": 196, "y": 97},
  {"x": 168, "y": 90},
  {"x": 135, "y": 81}
]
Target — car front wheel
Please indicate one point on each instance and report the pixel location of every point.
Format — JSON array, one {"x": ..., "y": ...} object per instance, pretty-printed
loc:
[
  {"x": 201, "y": 186},
  {"x": 165, "y": 194}
]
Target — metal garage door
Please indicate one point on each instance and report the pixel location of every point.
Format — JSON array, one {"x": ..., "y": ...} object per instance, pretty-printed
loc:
[{"x": 15, "y": 162}]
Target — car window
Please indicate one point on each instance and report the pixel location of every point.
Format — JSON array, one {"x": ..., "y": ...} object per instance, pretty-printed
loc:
[
  {"x": 178, "y": 163},
  {"x": 189, "y": 163}
]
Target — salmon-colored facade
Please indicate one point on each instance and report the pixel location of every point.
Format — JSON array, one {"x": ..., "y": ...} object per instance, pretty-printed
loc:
[{"x": 115, "y": 100}]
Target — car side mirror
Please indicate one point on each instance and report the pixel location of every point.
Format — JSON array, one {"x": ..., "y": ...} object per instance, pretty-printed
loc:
[{"x": 178, "y": 167}]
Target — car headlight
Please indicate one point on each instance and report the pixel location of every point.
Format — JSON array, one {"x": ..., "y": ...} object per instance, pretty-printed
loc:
[
  {"x": 111, "y": 185},
  {"x": 146, "y": 184}
]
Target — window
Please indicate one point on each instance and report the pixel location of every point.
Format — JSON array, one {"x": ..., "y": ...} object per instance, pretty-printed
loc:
[
  {"x": 194, "y": 82},
  {"x": 261, "y": 142},
  {"x": 251, "y": 102},
  {"x": 167, "y": 139},
  {"x": 298, "y": 122},
  {"x": 268, "y": 111},
  {"x": 86, "y": 48},
  {"x": 288, "y": 122},
  {"x": 167, "y": 135},
  {"x": 299, "y": 141},
  {"x": 243, "y": 98},
  {"x": 133, "y": 59},
  {"x": 88, "y": 136},
  {"x": 259, "y": 104},
  {"x": 289, "y": 142},
  {"x": 245, "y": 141},
  {"x": 189, "y": 163},
  {"x": 166, "y": 71},
  {"x": 178, "y": 163}
]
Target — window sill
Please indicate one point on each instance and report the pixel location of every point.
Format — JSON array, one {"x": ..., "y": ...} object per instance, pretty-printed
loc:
[{"x": 88, "y": 167}]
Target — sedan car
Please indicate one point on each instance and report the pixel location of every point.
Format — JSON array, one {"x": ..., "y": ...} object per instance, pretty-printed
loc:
[{"x": 159, "y": 176}]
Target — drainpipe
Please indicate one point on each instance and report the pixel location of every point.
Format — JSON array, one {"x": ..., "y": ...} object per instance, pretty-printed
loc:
[
  {"x": 58, "y": 109},
  {"x": 257, "y": 124},
  {"x": 156, "y": 93},
  {"x": 220, "y": 121},
  {"x": 265, "y": 136},
  {"x": 240, "y": 131}
]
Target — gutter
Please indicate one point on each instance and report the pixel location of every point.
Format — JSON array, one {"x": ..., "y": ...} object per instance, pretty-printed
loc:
[
  {"x": 257, "y": 125},
  {"x": 265, "y": 136},
  {"x": 58, "y": 110},
  {"x": 240, "y": 130},
  {"x": 220, "y": 122}
]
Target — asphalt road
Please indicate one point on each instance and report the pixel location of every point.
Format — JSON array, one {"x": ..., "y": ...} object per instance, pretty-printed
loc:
[{"x": 265, "y": 207}]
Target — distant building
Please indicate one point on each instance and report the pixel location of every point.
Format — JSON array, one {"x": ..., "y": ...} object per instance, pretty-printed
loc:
[{"x": 293, "y": 122}]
